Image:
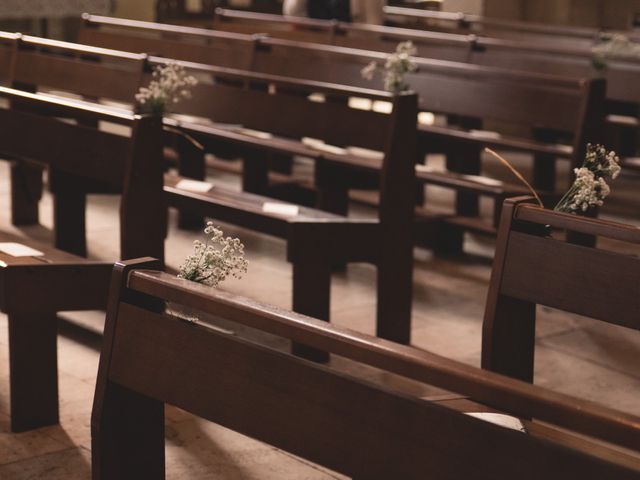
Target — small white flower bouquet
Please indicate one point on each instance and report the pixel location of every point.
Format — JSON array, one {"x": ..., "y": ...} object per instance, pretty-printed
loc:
[
  {"x": 397, "y": 65},
  {"x": 618, "y": 47},
  {"x": 590, "y": 187},
  {"x": 212, "y": 262},
  {"x": 170, "y": 84}
]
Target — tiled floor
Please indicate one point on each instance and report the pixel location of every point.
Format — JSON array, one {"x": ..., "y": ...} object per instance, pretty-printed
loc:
[{"x": 574, "y": 355}]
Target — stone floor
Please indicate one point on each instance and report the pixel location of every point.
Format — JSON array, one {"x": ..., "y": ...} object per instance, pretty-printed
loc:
[{"x": 573, "y": 355}]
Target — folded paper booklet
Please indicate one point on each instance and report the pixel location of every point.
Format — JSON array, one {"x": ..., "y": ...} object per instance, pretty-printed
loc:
[
  {"x": 323, "y": 147},
  {"x": 19, "y": 250},
  {"x": 485, "y": 134},
  {"x": 506, "y": 421},
  {"x": 365, "y": 153},
  {"x": 194, "y": 185},
  {"x": 426, "y": 118},
  {"x": 285, "y": 209}
]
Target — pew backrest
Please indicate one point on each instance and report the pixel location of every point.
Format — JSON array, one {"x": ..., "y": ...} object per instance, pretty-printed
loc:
[
  {"x": 150, "y": 357},
  {"x": 531, "y": 268},
  {"x": 572, "y": 107}
]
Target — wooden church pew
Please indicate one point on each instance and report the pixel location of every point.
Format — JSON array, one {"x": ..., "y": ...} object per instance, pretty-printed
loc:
[
  {"x": 458, "y": 22},
  {"x": 437, "y": 45},
  {"x": 553, "y": 57},
  {"x": 317, "y": 240},
  {"x": 82, "y": 158},
  {"x": 587, "y": 281},
  {"x": 495, "y": 98},
  {"x": 221, "y": 102},
  {"x": 355, "y": 427},
  {"x": 35, "y": 286}
]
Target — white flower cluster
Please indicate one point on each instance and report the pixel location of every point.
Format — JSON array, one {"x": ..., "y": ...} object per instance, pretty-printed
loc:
[
  {"x": 398, "y": 64},
  {"x": 617, "y": 47},
  {"x": 590, "y": 187},
  {"x": 169, "y": 85},
  {"x": 212, "y": 262}
]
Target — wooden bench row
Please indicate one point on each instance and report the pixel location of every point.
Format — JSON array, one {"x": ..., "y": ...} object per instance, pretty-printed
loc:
[
  {"x": 553, "y": 57},
  {"x": 476, "y": 94},
  {"x": 362, "y": 429},
  {"x": 458, "y": 22}
]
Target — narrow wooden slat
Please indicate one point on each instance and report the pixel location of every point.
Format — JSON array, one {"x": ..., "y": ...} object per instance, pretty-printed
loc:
[
  {"x": 591, "y": 226},
  {"x": 604, "y": 287}
]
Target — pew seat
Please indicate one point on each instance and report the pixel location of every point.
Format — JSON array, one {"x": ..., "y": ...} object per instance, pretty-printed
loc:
[{"x": 35, "y": 285}]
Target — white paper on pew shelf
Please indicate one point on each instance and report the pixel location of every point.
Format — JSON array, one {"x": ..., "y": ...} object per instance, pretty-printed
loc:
[
  {"x": 484, "y": 134},
  {"x": 421, "y": 167},
  {"x": 285, "y": 209},
  {"x": 196, "y": 186},
  {"x": 359, "y": 103},
  {"x": 623, "y": 120},
  {"x": 484, "y": 180},
  {"x": 19, "y": 250},
  {"x": 381, "y": 106},
  {"x": 501, "y": 419},
  {"x": 317, "y": 98},
  {"x": 426, "y": 118},
  {"x": 256, "y": 133},
  {"x": 365, "y": 153},
  {"x": 323, "y": 147}
]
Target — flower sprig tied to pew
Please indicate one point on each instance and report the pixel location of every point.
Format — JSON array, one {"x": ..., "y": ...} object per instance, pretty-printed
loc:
[
  {"x": 215, "y": 260},
  {"x": 397, "y": 65},
  {"x": 590, "y": 187},
  {"x": 169, "y": 85},
  {"x": 616, "y": 47}
]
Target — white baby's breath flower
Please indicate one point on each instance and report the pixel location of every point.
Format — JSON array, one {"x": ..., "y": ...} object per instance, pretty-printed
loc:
[
  {"x": 169, "y": 85},
  {"x": 617, "y": 47},
  {"x": 396, "y": 66},
  {"x": 590, "y": 187},
  {"x": 214, "y": 261}
]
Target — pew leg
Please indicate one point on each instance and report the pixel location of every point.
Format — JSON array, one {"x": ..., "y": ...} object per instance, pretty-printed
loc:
[
  {"x": 255, "y": 173},
  {"x": 127, "y": 437},
  {"x": 69, "y": 206},
  {"x": 281, "y": 163},
  {"x": 508, "y": 345},
  {"x": 395, "y": 291},
  {"x": 33, "y": 370},
  {"x": 544, "y": 173},
  {"x": 26, "y": 191},
  {"x": 467, "y": 203},
  {"x": 191, "y": 165},
  {"x": 311, "y": 296}
]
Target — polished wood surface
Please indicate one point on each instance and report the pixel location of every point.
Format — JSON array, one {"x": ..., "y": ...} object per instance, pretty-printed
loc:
[{"x": 327, "y": 418}]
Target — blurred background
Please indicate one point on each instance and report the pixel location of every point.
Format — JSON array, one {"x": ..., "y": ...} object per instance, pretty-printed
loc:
[{"x": 59, "y": 18}]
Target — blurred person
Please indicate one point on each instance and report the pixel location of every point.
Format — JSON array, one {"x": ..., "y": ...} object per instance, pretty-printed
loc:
[{"x": 361, "y": 11}]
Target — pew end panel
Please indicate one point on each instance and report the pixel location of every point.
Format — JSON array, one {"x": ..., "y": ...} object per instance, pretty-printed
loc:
[
  {"x": 83, "y": 158},
  {"x": 565, "y": 280}
]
